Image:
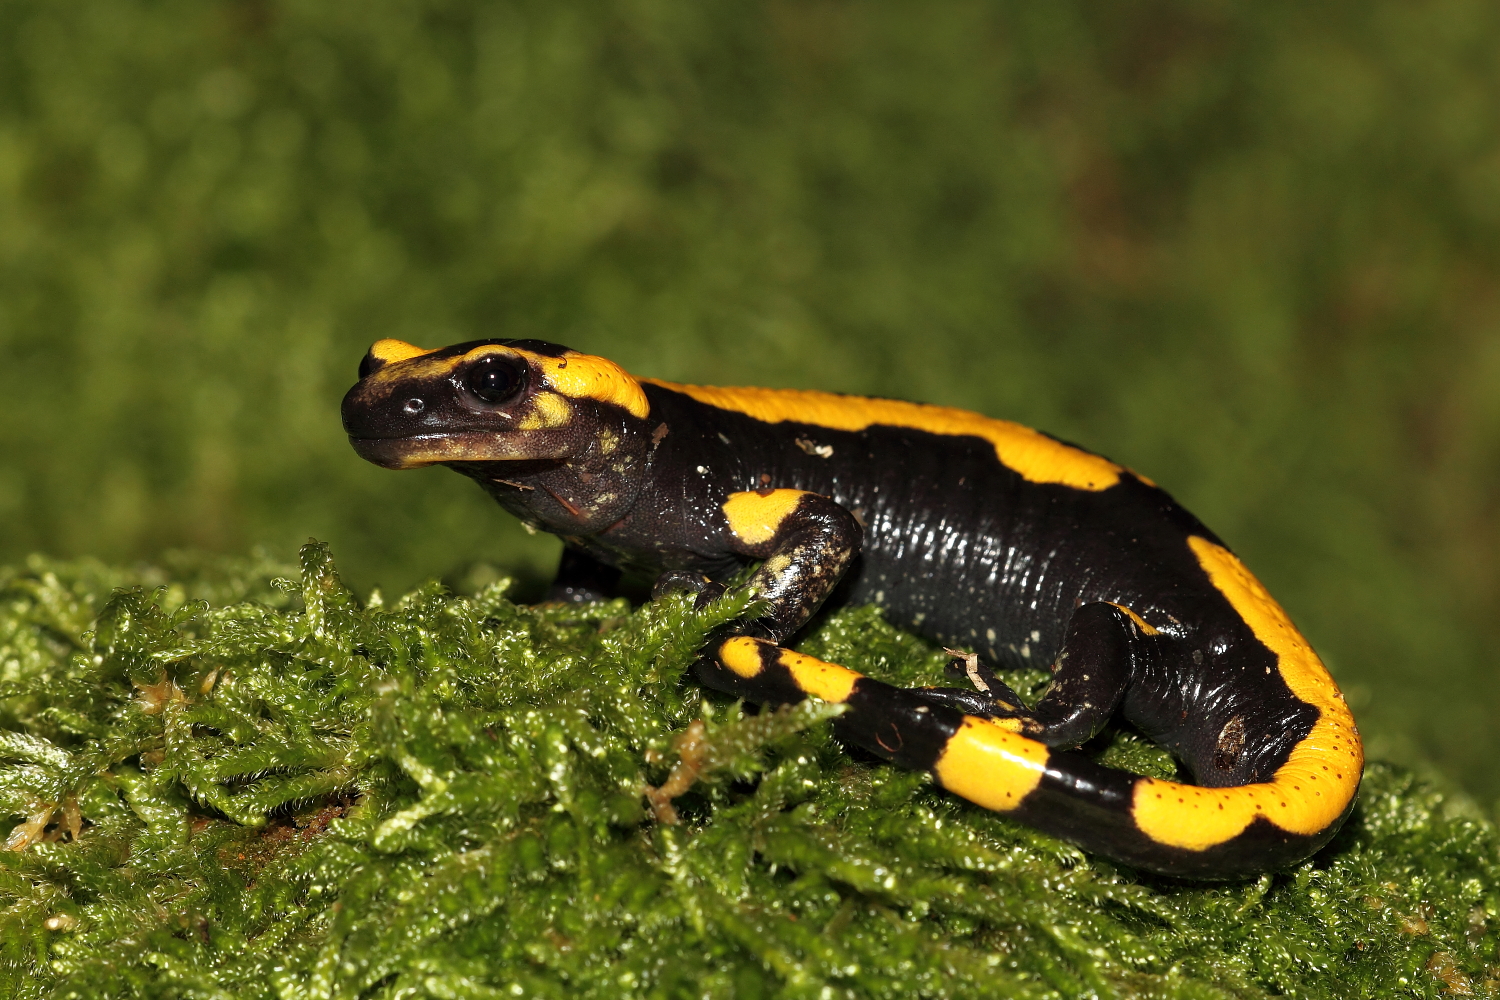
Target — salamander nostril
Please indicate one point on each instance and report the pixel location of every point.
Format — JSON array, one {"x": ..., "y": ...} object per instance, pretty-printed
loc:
[{"x": 414, "y": 406}]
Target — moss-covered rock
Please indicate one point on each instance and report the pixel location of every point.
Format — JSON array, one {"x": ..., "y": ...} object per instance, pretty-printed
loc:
[{"x": 227, "y": 782}]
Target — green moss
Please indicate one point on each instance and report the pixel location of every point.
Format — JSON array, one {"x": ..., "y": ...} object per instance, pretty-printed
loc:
[{"x": 285, "y": 791}]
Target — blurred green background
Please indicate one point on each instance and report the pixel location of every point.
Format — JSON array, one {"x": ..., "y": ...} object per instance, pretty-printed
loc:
[{"x": 1248, "y": 249}]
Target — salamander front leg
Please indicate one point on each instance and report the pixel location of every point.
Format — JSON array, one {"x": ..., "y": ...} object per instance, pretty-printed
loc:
[
  {"x": 806, "y": 541},
  {"x": 686, "y": 581}
]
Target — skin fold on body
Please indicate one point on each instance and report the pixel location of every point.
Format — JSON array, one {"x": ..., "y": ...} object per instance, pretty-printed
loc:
[{"x": 976, "y": 533}]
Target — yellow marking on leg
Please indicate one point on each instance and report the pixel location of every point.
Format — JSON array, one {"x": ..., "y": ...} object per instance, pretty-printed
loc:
[
  {"x": 1320, "y": 775},
  {"x": 991, "y": 766},
  {"x": 1139, "y": 621},
  {"x": 818, "y": 678},
  {"x": 773, "y": 568},
  {"x": 1034, "y": 455},
  {"x": 757, "y": 517}
]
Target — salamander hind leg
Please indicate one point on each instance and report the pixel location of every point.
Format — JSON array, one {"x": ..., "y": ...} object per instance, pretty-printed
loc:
[
  {"x": 989, "y": 698},
  {"x": 1096, "y": 665},
  {"x": 1104, "y": 643}
]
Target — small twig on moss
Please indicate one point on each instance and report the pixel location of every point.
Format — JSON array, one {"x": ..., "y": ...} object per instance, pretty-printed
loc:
[
  {"x": 29, "y": 831},
  {"x": 700, "y": 752},
  {"x": 155, "y": 697},
  {"x": 692, "y": 751}
]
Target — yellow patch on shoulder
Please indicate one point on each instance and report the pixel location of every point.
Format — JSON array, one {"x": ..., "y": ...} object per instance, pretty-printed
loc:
[
  {"x": 819, "y": 678},
  {"x": 1031, "y": 453},
  {"x": 1321, "y": 774},
  {"x": 757, "y": 517},
  {"x": 991, "y": 766}
]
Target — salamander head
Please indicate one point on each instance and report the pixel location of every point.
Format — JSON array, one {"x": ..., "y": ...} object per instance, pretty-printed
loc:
[{"x": 484, "y": 401}]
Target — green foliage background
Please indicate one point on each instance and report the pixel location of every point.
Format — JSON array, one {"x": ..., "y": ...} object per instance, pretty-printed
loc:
[{"x": 1249, "y": 249}]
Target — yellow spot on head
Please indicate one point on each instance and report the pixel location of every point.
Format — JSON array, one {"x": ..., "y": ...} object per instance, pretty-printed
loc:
[
  {"x": 991, "y": 766},
  {"x": 576, "y": 376},
  {"x": 755, "y": 517},
  {"x": 547, "y": 410},
  {"x": 1033, "y": 454},
  {"x": 388, "y": 351},
  {"x": 584, "y": 376},
  {"x": 428, "y": 364}
]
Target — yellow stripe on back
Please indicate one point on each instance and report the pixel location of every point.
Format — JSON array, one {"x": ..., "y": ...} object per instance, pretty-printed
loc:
[
  {"x": 1032, "y": 454},
  {"x": 1312, "y": 789}
]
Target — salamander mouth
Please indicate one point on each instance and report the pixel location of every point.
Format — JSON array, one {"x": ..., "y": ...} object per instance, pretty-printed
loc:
[{"x": 418, "y": 450}]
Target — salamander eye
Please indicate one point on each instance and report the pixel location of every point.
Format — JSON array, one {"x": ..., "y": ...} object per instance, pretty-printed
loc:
[{"x": 495, "y": 381}]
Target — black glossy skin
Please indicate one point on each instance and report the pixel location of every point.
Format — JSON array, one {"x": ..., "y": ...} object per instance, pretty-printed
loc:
[
  {"x": 950, "y": 543},
  {"x": 957, "y": 546}
]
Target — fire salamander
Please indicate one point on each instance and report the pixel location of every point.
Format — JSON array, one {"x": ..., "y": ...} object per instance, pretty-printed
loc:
[{"x": 974, "y": 532}]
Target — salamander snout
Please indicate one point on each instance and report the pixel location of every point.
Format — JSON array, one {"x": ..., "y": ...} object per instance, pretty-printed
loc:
[{"x": 480, "y": 401}]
